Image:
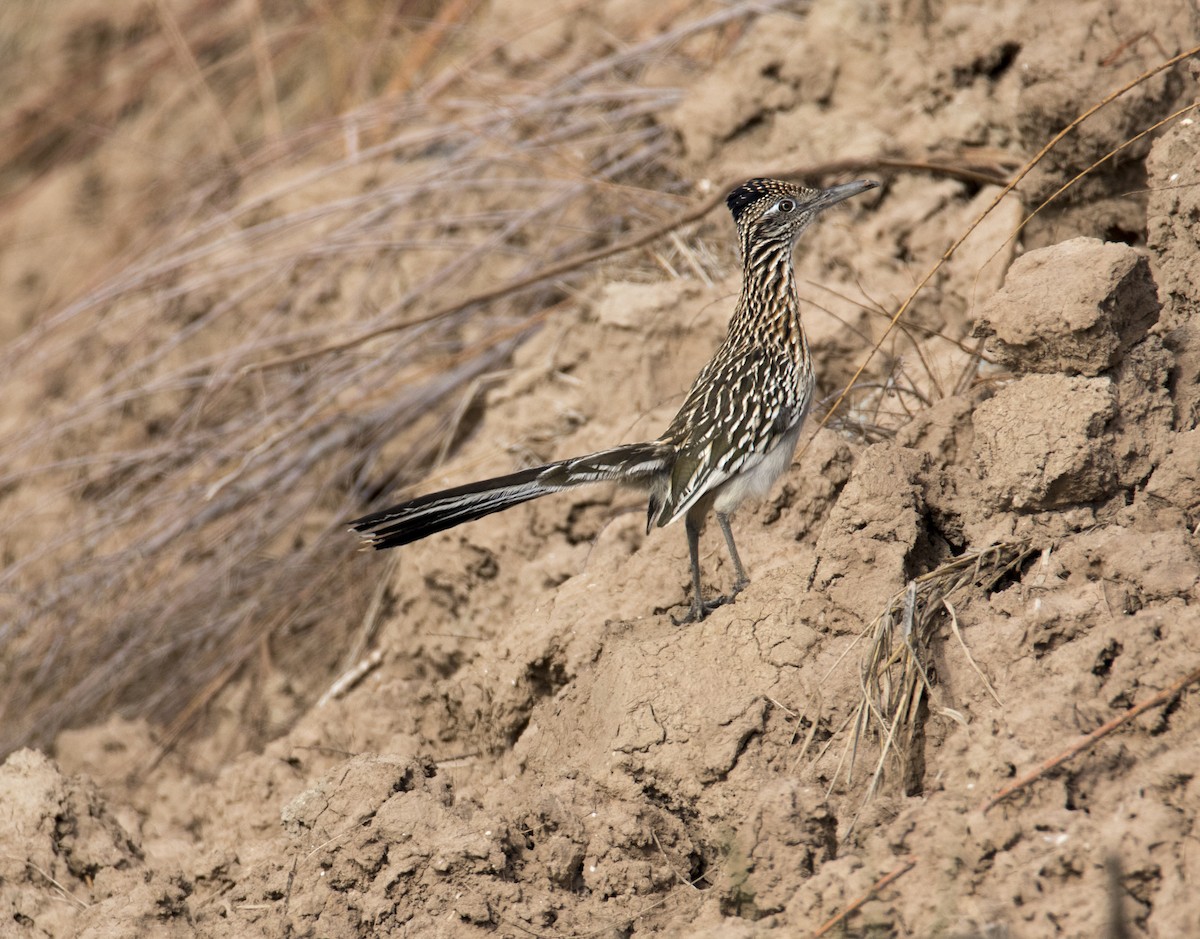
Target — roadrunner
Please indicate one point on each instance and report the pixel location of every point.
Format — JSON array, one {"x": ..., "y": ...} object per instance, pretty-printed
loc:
[{"x": 738, "y": 427}]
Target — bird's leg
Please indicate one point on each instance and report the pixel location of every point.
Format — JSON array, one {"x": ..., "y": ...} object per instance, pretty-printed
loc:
[
  {"x": 693, "y": 522},
  {"x": 742, "y": 580},
  {"x": 697, "y": 612}
]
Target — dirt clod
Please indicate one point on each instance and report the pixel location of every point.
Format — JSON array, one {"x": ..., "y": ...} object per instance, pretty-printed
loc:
[{"x": 1074, "y": 307}]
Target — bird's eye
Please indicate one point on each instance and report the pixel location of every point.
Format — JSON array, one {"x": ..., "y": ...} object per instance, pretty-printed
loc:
[{"x": 786, "y": 205}]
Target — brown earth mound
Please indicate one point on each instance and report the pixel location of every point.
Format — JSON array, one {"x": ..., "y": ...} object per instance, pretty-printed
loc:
[{"x": 990, "y": 550}]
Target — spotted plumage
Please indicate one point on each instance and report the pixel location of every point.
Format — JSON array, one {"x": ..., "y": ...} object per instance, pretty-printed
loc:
[{"x": 739, "y": 424}]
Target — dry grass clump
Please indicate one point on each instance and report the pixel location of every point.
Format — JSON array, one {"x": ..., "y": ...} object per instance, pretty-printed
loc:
[
  {"x": 184, "y": 439},
  {"x": 895, "y": 670}
]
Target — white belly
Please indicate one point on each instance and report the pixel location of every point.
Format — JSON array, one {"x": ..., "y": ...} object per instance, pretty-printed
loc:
[{"x": 755, "y": 481}]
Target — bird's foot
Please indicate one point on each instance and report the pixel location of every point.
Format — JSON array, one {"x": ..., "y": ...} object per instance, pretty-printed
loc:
[{"x": 700, "y": 609}]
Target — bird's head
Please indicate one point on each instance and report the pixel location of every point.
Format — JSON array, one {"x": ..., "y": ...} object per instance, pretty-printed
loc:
[{"x": 771, "y": 210}]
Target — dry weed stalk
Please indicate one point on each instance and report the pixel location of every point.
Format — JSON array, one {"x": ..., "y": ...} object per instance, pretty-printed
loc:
[{"x": 894, "y": 674}]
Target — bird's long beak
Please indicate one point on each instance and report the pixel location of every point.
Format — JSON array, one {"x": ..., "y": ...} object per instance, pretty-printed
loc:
[{"x": 835, "y": 194}]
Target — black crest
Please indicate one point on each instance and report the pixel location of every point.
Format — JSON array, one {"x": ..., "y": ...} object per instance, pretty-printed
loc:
[{"x": 750, "y": 192}]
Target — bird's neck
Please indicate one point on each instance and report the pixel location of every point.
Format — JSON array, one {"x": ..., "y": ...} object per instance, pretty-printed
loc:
[{"x": 768, "y": 310}]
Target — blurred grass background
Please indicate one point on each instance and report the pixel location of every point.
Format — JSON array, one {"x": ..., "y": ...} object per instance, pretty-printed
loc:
[{"x": 242, "y": 242}]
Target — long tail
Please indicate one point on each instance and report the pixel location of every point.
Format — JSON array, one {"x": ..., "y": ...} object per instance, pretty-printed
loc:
[{"x": 635, "y": 463}]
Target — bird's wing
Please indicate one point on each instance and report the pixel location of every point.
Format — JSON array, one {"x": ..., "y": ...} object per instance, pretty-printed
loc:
[{"x": 737, "y": 410}]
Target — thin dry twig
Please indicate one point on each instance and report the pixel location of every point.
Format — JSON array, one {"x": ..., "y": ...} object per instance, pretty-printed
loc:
[
  {"x": 184, "y": 53},
  {"x": 967, "y": 652},
  {"x": 1087, "y": 741},
  {"x": 66, "y": 894},
  {"x": 857, "y": 903},
  {"x": 666, "y": 860},
  {"x": 351, "y": 677},
  {"x": 450, "y": 15},
  {"x": 1145, "y": 132}
]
